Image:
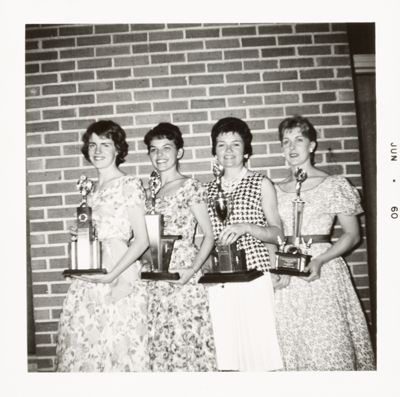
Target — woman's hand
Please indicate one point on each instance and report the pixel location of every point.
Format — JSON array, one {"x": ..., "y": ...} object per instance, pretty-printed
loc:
[
  {"x": 184, "y": 276},
  {"x": 96, "y": 278},
  {"x": 232, "y": 232},
  {"x": 280, "y": 281},
  {"x": 314, "y": 267}
]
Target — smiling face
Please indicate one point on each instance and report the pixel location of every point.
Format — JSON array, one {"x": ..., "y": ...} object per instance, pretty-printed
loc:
[
  {"x": 296, "y": 147},
  {"x": 102, "y": 151},
  {"x": 163, "y": 154},
  {"x": 229, "y": 149}
]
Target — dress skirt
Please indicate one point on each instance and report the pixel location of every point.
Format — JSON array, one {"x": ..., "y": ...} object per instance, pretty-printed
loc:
[{"x": 244, "y": 326}]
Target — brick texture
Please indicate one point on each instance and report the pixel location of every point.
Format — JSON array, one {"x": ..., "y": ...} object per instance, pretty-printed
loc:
[{"x": 191, "y": 75}]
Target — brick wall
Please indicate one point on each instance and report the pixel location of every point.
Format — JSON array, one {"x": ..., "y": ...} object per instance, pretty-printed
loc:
[{"x": 188, "y": 74}]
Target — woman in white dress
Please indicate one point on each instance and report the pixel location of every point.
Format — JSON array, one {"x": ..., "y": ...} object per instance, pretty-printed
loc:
[
  {"x": 103, "y": 325},
  {"x": 243, "y": 313}
]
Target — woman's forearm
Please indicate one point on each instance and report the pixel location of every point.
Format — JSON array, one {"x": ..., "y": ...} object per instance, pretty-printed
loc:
[
  {"x": 205, "y": 248},
  {"x": 135, "y": 250},
  {"x": 345, "y": 243},
  {"x": 267, "y": 234}
]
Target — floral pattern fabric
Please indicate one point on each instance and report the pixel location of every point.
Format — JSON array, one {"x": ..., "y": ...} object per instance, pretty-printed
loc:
[
  {"x": 102, "y": 329},
  {"x": 180, "y": 333},
  {"x": 320, "y": 324}
]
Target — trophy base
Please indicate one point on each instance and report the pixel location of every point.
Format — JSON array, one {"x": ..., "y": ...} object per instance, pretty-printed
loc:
[
  {"x": 233, "y": 277},
  {"x": 290, "y": 272},
  {"x": 76, "y": 272},
  {"x": 292, "y": 264},
  {"x": 159, "y": 276}
]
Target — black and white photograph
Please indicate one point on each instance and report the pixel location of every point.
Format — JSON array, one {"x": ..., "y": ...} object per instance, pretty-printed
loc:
[{"x": 203, "y": 201}]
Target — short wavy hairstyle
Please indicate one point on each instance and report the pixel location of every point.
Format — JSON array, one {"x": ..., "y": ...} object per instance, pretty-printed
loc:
[
  {"x": 164, "y": 130},
  {"x": 232, "y": 124},
  {"x": 110, "y": 130},
  {"x": 305, "y": 125}
]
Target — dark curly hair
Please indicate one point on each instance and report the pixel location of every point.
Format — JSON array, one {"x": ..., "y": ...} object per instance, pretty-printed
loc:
[
  {"x": 110, "y": 130},
  {"x": 232, "y": 124},
  {"x": 164, "y": 130},
  {"x": 306, "y": 128}
]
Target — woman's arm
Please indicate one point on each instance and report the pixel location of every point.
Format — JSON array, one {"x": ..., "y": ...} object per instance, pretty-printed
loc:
[
  {"x": 200, "y": 212},
  {"x": 349, "y": 238},
  {"x": 268, "y": 234},
  {"x": 135, "y": 250}
]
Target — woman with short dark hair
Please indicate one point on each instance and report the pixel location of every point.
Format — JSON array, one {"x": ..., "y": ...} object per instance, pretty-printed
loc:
[
  {"x": 103, "y": 325},
  {"x": 243, "y": 312},
  {"x": 180, "y": 332}
]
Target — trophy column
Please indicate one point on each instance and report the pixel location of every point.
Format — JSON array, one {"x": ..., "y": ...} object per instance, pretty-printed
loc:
[
  {"x": 84, "y": 248},
  {"x": 292, "y": 258},
  {"x": 160, "y": 245}
]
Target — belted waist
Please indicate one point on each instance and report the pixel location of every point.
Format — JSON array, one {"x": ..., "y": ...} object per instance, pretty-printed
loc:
[{"x": 316, "y": 238}]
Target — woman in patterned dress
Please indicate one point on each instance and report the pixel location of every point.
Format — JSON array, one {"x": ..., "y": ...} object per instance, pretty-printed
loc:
[
  {"x": 180, "y": 333},
  {"x": 103, "y": 325},
  {"x": 243, "y": 313},
  {"x": 320, "y": 322}
]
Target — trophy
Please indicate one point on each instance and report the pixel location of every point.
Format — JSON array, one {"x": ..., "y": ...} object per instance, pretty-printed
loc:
[
  {"x": 292, "y": 258},
  {"x": 160, "y": 245},
  {"x": 84, "y": 248},
  {"x": 228, "y": 263}
]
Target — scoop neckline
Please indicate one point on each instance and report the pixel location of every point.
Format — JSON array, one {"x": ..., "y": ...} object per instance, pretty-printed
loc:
[
  {"x": 111, "y": 184},
  {"x": 177, "y": 190},
  {"x": 305, "y": 190}
]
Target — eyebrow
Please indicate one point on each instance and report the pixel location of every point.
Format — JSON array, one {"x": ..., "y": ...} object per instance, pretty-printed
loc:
[
  {"x": 235, "y": 140},
  {"x": 166, "y": 144}
]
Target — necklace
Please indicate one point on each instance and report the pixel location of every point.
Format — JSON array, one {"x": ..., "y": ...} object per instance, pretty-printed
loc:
[{"x": 231, "y": 184}]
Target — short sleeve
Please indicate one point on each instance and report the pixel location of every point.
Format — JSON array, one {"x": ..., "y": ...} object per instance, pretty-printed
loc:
[
  {"x": 343, "y": 197},
  {"x": 133, "y": 191},
  {"x": 195, "y": 192}
]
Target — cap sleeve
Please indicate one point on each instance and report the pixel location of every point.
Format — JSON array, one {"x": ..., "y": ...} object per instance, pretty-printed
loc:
[
  {"x": 344, "y": 198},
  {"x": 195, "y": 192},
  {"x": 133, "y": 191}
]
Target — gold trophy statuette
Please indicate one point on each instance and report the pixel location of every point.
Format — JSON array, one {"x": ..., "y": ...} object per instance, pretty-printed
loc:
[
  {"x": 160, "y": 245},
  {"x": 228, "y": 263},
  {"x": 293, "y": 257},
  {"x": 84, "y": 248}
]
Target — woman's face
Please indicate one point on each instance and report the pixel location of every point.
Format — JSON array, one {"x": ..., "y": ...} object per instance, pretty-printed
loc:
[
  {"x": 229, "y": 149},
  {"x": 296, "y": 147},
  {"x": 102, "y": 151},
  {"x": 163, "y": 154}
]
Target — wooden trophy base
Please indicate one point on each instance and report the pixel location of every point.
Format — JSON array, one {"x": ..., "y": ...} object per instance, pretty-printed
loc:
[
  {"x": 230, "y": 277},
  {"x": 290, "y": 272},
  {"x": 159, "y": 276},
  {"x": 77, "y": 272},
  {"x": 291, "y": 264}
]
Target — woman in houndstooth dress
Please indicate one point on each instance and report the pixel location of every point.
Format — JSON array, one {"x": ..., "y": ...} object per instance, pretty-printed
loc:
[{"x": 242, "y": 313}]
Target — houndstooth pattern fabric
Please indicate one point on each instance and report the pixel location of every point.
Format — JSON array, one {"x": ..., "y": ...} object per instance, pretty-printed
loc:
[{"x": 245, "y": 208}]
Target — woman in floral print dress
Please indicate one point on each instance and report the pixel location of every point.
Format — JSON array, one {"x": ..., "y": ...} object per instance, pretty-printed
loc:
[
  {"x": 103, "y": 325},
  {"x": 320, "y": 322},
  {"x": 180, "y": 333}
]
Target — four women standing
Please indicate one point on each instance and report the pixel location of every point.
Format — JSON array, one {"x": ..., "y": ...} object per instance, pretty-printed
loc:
[{"x": 118, "y": 322}]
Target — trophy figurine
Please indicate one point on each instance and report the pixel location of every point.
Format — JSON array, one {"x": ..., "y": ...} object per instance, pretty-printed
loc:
[
  {"x": 228, "y": 263},
  {"x": 160, "y": 245},
  {"x": 84, "y": 248},
  {"x": 293, "y": 257}
]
